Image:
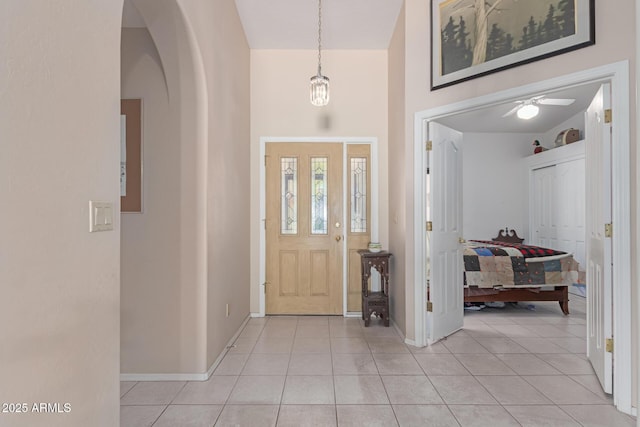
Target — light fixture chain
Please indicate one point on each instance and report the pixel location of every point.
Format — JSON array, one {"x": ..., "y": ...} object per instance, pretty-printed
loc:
[{"x": 319, "y": 37}]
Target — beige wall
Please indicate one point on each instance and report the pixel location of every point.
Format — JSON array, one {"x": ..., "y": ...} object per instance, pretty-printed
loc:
[
  {"x": 280, "y": 107},
  {"x": 397, "y": 208},
  {"x": 150, "y": 258},
  {"x": 187, "y": 253},
  {"x": 59, "y": 118},
  {"x": 225, "y": 56}
]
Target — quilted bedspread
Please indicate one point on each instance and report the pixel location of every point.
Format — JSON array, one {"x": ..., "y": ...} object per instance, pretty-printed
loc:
[{"x": 489, "y": 264}]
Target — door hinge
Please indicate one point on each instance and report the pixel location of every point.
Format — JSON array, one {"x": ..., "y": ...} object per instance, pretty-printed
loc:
[
  {"x": 429, "y": 226},
  {"x": 429, "y": 145},
  {"x": 429, "y": 306},
  {"x": 609, "y": 345},
  {"x": 608, "y": 230},
  {"x": 607, "y": 115}
]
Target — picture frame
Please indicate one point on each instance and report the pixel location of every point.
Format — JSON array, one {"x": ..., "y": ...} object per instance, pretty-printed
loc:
[
  {"x": 131, "y": 156},
  {"x": 516, "y": 32}
]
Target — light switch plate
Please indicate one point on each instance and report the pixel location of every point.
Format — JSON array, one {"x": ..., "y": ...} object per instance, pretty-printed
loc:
[{"x": 100, "y": 216}]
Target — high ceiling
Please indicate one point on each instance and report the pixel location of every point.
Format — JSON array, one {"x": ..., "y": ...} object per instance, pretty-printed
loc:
[
  {"x": 369, "y": 24},
  {"x": 293, "y": 24}
]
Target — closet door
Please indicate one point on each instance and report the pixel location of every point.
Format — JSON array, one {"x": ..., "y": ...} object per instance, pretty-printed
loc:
[
  {"x": 544, "y": 207},
  {"x": 571, "y": 231}
]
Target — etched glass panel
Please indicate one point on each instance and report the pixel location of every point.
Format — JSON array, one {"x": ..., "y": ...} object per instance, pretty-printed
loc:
[
  {"x": 289, "y": 195},
  {"x": 319, "y": 200},
  {"x": 358, "y": 194}
]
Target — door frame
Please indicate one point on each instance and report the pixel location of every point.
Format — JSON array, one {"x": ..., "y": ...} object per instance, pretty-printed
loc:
[
  {"x": 373, "y": 142},
  {"x": 618, "y": 74}
]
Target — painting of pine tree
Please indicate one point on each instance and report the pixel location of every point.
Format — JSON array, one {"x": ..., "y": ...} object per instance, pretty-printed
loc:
[{"x": 474, "y": 32}]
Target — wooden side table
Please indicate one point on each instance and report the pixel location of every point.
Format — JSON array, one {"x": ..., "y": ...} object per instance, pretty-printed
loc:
[{"x": 377, "y": 302}]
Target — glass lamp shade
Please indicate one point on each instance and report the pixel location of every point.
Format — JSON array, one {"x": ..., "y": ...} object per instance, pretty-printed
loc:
[
  {"x": 319, "y": 92},
  {"x": 528, "y": 112}
]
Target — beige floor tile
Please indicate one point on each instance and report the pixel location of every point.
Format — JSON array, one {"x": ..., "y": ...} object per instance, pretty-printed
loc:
[
  {"x": 463, "y": 344},
  {"x": 366, "y": 415},
  {"x": 310, "y": 364},
  {"x": 257, "y": 390},
  {"x": 313, "y": 320},
  {"x": 387, "y": 345},
  {"x": 359, "y": 390},
  {"x": 243, "y": 345},
  {"x": 232, "y": 364},
  {"x": 397, "y": 364},
  {"x": 286, "y": 330},
  {"x": 562, "y": 390},
  {"x": 312, "y": 331},
  {"x": 424, "y": 415},
  {"x": 153, "y": 393},
  {"x": 539, "y": 345},
  {"x": 345, "y": 330},
  {"x": 502, "y": 345},
  {"x": 140, "y": 416},
  {"x": 572, "y": 345},
  {"x": 273, "y": 345},
  {"x": 580, "y": 331},
  {"x": 484, "y": 364},
  {"x": 481, "y": 331},
  {"x": 527, "y": 364},
  {"x": 441, "y": 364},
  {"x": 377, "y": 329},
  {"x": 410, "y": 390},
  {"x": 266, "y": 364},
  {"x": 311, "y": 345},
  {"x": 354, "y": 364},
  {"x": 248, "y": 415},
  {"x": 460, "y": 390},
  {"x": 307, "y": 416},
  {"x": 437, "y": 348},
  {"x": 540, "y": 416},
  {"x": 512, "y": 390},
  {"x": 599, "y": 415},
  {"x": 214, "y": 391},
  {"x": 251, "y": 331},
  {"x": 349, "y": 345},
  {"x": 569, "y": 364},
  {"x": 125, "y": 386},
  {"x": 308, "y": 390},
  {"x": 548, "y": 331},
  {"x": 514, "y": 331},
  {"x": 592, "y": 383},
  {"x": 189, "y": 416},
  {"x": 482, "y": 416}
]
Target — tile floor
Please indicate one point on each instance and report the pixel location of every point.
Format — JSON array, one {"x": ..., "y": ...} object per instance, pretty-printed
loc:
[{"x": 507, "y": 367}]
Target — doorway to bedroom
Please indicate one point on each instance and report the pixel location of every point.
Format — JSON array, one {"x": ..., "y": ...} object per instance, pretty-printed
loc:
[{"x": 498, "y": 173}]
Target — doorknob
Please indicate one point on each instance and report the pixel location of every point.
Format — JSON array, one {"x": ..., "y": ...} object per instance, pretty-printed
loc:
[
  {"x": 461, "y": 240},
  {"x": 338, "y": 238}
]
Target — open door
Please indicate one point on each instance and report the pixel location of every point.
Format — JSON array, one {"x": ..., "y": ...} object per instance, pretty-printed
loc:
[
  {"x": 445, "y": 310},
  {"x": 598, "y": 221}
]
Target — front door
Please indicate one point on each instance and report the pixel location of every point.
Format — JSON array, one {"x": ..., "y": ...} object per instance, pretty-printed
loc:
[{"x": 304, "y": 228}]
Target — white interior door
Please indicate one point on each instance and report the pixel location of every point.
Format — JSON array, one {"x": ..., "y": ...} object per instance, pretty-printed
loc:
[
  {"x": 444, "y": 211},
  {"x": 598, "y": 213},
  {"x": 544, "y": 207}
]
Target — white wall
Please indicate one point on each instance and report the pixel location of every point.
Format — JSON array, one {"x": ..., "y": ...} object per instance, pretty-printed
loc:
[
  {"x": 577, "y": 122},
  {"x": 280, "y": 107},
  {"x": 59, "y": 118},
  {"x": 495, "y": 183}
]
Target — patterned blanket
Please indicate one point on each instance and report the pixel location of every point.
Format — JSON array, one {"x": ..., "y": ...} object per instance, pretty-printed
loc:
[{"x": 509, "y": 265}]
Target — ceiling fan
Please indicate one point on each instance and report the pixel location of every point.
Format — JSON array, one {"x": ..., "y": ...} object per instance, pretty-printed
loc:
[{"x": 527, "y": 109}]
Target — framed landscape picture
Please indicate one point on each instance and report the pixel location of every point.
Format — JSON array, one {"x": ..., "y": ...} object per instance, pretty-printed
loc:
[{"x": 473, "y": 38}]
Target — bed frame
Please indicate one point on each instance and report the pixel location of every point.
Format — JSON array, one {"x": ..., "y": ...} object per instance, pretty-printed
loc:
[{"x": 559, "y": 293}]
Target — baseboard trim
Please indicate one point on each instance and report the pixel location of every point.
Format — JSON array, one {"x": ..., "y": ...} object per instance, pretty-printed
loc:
[{"x": 186, "y": 376}]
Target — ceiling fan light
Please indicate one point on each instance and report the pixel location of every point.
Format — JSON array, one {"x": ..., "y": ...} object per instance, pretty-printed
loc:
[{"x": 528, "y": 111}]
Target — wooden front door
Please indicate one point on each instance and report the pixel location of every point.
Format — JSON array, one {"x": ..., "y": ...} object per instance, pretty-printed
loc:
[{"x": 304, "y": 228}]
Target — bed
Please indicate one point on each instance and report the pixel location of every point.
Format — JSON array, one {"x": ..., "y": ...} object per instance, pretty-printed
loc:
[{"x": 504, "y": 269}]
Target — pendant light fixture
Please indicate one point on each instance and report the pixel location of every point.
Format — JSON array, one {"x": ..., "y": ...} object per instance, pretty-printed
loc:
[{"x": 319, "y": 93}]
